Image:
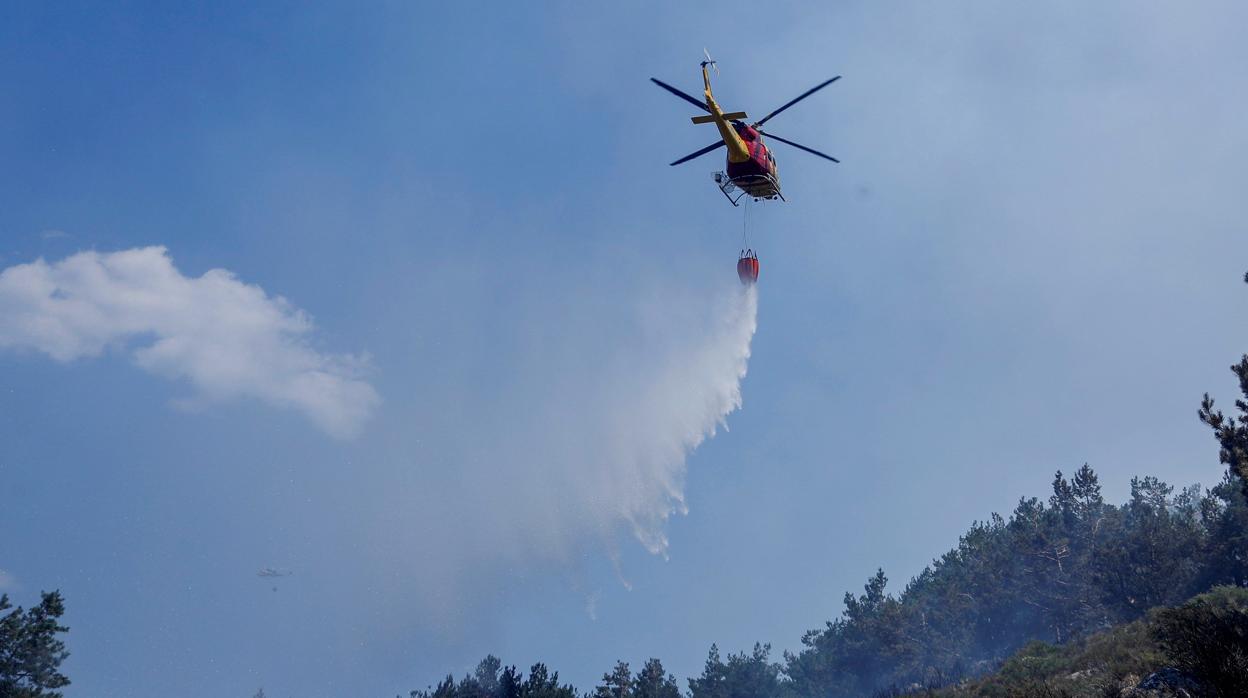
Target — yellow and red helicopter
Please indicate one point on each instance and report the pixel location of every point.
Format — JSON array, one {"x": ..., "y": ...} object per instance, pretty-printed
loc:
[{"x": 751, "y": 169}]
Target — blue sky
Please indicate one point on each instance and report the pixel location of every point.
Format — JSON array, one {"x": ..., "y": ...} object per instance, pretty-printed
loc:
[{"x": 1030, "y": 257}]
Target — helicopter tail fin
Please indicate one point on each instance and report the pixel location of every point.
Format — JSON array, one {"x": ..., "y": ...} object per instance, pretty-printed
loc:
[{"x": 710, "y": 118}]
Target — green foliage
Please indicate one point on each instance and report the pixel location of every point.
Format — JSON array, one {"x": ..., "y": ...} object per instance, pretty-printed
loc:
[
  {"x": 1099, "y": 665},
  {"x": 1055, "y": 571},
  {"x": 492, "y": 680},
  {"x": 1034, "y": 662},
  {"x": 1207, "y": 637},
  {"x": 653, "y": 682},
  {"x": 542, "y": 683},
  {"x": 30, "y": 650},
  {"x": 1232, "y": 432},
  {"x": 617, "y": 684},
  {"x": 743, "y": 676},
  {"x": 1116, "y": 654}
]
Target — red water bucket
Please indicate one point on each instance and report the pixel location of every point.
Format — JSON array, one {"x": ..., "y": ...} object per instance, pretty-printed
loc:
[{"x": 747, "y": 268}]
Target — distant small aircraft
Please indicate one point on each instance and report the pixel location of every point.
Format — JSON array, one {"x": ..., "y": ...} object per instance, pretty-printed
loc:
[{"x": 273, "y": 572}]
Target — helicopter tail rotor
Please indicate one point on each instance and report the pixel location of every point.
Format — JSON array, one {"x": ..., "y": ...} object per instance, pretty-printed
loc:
[{"x": 710, "y": 61}]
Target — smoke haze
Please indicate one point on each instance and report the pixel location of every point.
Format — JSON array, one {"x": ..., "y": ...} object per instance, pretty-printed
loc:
[{"x": 582, "y": 438}]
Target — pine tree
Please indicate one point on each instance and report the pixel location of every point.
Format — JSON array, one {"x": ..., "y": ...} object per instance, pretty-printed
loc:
[
  {"x": 711, "y": 683},
  {"x": 30, "y": 650},
  {"x": 1086, "y": 488},
  {"x": 486, "y": 675},
  {"x": 1063, "y": 497},
  {"x": 743, "y": 676},
  {"x": 617, "y": 684},
  {"x": 509, "y": 683},
  {"x": 544, "y": 684},
  {"x": 653, "y": 682},
  {"x": 1232, "y": 432}
]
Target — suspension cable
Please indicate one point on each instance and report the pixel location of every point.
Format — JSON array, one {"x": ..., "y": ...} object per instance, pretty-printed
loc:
[{"x": 745, "y": 224}]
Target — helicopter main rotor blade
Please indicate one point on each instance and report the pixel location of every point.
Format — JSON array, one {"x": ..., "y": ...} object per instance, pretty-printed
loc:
[
  {"x": 680, "y": 94},
  {"x": 698, "y": 153},
  {"x": 812, "y": 151},
  {"x": 797, "y": 99}
]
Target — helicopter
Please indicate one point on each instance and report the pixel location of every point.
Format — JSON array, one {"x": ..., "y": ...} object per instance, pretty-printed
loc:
[{"x": 751, "y": 168}]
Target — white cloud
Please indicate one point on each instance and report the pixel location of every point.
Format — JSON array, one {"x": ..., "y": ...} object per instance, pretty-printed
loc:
[{"x": 227, "y": 338}]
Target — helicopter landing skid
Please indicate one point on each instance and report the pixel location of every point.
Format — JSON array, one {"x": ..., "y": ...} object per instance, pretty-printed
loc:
[{"x": 758, "y": 187}]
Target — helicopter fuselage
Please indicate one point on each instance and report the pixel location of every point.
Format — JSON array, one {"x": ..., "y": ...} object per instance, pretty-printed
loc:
[
  {"x": 757, "y": 175},
  {"x": 760, "y": 160}
]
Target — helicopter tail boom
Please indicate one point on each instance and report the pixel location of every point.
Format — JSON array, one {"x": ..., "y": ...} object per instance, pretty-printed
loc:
[{"x": 738, "y": 151}]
